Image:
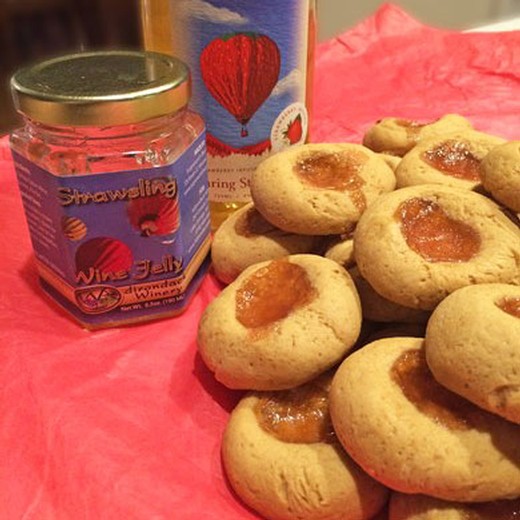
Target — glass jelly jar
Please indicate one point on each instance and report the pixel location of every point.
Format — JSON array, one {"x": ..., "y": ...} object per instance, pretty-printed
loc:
[{"x": 111, "y": 165}]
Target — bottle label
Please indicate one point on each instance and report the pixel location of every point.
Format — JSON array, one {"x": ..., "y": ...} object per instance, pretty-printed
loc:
[
  {"x": 249, "y": 68},
  {"x": 119, "y": 247}
]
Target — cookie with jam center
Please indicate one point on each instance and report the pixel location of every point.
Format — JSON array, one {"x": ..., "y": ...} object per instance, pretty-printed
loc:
[
  {"x": 415, "y": 436},
  {"x": 397, "y": 136},
  {"x": 377, "y": 308},
  {"x": 416, "y": 245},
  {"x": 280, "y": 323},
  {"x": 246, "y": 238},
  {"x": 452, "y": 159},
  {"x": 319, "y": 189},
  {"x": 500, "y": 172},
  {"x": 391, "y": 160},
  {"x": 340, "y": 248},
  {"x": 282, "y": 459},
  {"x": 473, "y": 346},
  {"x": 421, "y": 507}
]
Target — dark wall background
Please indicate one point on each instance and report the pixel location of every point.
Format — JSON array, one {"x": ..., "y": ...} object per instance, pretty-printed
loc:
[{"x": 36, "y": 29}]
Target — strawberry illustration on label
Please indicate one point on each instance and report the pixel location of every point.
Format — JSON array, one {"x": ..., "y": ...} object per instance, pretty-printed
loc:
[
  {"x": 294, "y": 131},
  {"x": 240, "y": 71}
]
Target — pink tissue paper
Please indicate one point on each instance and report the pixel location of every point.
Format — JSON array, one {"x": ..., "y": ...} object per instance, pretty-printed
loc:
[{"x": 126, "y": 423}]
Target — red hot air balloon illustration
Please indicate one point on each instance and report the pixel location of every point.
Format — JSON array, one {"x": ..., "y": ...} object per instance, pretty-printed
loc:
[
  {"x": 106, "y": 254},
  {"x": 154, "y": 215},
  {"x": 240, "y": 71}
]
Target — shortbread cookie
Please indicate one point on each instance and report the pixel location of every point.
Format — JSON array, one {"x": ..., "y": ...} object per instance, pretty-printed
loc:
[
  {"x": 282, "y": 458},
  {"x": 280, "y": 323},
  {"x": 415, "y": 436},
  {"x": 398, "y": 136},
  {"x": 500, "y": 172},
  {"x": 341, "y": 249},
  {"x": 418, "y": 244},
  {"x": 246, "y": 238},
  {"x": 319, "y": 189},
  {"x": 392, "y": 160},
  {"x": 452, "y": 159},
  {"x": 377, "y": 308},
  {"x": 473, "y": 346},
  {"x": 421, "y": 507}
]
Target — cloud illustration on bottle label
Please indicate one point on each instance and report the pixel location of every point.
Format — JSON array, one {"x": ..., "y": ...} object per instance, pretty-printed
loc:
[
  {"x": 290, "y": 83},
  {"x": 208, "y": 12}
]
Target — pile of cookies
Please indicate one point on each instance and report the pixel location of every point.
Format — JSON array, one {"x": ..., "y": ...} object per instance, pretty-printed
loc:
[{"x": 373, "y": 311}]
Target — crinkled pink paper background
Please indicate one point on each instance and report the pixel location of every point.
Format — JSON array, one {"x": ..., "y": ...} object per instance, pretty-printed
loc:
[{"x": 126, "y": 423}]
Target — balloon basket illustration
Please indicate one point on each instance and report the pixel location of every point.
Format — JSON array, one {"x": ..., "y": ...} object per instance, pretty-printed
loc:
[
  {"x": 156, "y": 215},
  {"x": 240, "y": 71}
]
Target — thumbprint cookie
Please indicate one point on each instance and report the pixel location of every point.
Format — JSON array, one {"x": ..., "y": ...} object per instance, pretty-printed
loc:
[
  {"x": 282, "y": 459},
  {"x": 377, "y": 308},
  {"x": 415, "y": 436},
  {"x": 473, "y": 346},
  {"x": 416, "y": 245},
  {"x": 500, "y": 172},
  {"x": 280, "y": 323},
  {"x": 392, "y": 160},
  {"x": 246, "y": 238},
  {"x": 398, "y": 136},
  {"x": 319, "y": 189},
  {"x": 340, "y": 248},
  {"x": 451, "y": 159},
  {"x": 421, "y": 507}
]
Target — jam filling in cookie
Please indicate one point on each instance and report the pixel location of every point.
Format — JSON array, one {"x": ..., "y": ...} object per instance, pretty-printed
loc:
[
  {"x": 299, "y": 415},
  {"x": 410, "y": 372},
  {"x": 511, "y": 306},
  {"x": 334, "y": 171},
  {"x": 413, "y": 128},
  {"x": 252, "y": 224},
  {"x": 454, "y": 158},
  {"x": 272, "y": 293},
  {"x": 431, "y": 233}
]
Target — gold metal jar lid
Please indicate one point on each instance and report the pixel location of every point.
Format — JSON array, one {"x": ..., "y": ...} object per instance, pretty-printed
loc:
[{"x": 102, "y": 88}]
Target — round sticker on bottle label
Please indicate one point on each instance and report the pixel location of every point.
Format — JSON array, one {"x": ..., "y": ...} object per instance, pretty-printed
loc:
[{"x": 290, "y": 127}]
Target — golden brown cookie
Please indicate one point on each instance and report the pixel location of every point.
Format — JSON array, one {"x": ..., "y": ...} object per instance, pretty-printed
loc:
[
  {"x": 421, "y": 507},
  {"x": 415, "y": 436},
  {"x": 418, "y": 244},
  {"x": 500, "y": 172},
  {"x": 377, "y": 308},
  {"x": 246, "y": 238},
  {"x": 281, "y": 457},
  {"x": 398, "y": 136},
  {"x": 341, "y": 249},
  {"x": 280, "y": 323},
  {"x": 452, "y": 160},
  {"x": 319, "y": 189},
  {"x": 473, "y": 346},
  {"x": 392, "y": 160}
]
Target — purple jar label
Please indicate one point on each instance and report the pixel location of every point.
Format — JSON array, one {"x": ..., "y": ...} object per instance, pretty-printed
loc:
[
  {"x": 118, "y": 247},
  {"x": 249, "y": 63}
]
